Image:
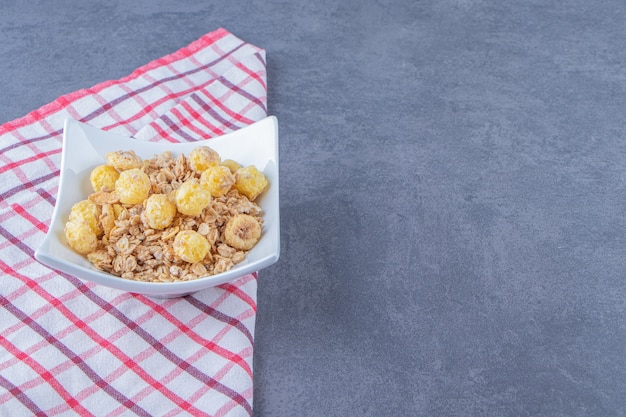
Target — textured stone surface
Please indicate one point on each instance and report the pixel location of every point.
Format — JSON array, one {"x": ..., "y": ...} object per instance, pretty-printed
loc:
[{"x": 453, "y": 178}]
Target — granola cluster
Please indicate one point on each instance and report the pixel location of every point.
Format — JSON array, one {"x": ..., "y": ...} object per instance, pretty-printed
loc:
[{"x": 168, "y": 218}]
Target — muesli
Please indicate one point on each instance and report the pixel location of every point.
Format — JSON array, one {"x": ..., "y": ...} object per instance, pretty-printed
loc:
[{"x": 168, "y": 218}]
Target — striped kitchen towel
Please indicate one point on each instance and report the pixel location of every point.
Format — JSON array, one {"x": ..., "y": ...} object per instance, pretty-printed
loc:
[{"x": 74, "y": 348}]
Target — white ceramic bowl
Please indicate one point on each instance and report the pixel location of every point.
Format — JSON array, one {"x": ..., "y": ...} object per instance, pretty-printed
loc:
[{"x": 84, "y": 148}]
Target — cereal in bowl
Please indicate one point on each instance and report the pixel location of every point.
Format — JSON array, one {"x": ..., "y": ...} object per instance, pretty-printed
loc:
[{"x": 168, "y": 218}]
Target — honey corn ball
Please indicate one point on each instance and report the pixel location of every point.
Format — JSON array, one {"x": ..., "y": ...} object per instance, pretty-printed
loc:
[
  {"x": 80, "y": 237},
  {"x": 88, "y": 212},
  {"x": 159, "y": 211},
  {"x": 250, "y": 181},
  {"x": 203, "y": 157},
  {"x": 232, "y": 165},
  {"x": 123, "y": 160},
  {"x": 103, "y": 178},
  {"x": 192, "y": 197},
  {"x": 190, "y": 246},
  {"x": 218, "y": 180},
  {"x": 133, "y": 186}
]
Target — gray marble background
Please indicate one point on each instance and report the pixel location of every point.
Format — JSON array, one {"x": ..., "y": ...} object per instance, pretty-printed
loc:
[{"x": 452, "y": 183}]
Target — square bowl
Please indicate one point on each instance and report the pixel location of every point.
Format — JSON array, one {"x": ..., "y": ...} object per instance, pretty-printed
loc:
[{"x": 84, "y": 147}]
